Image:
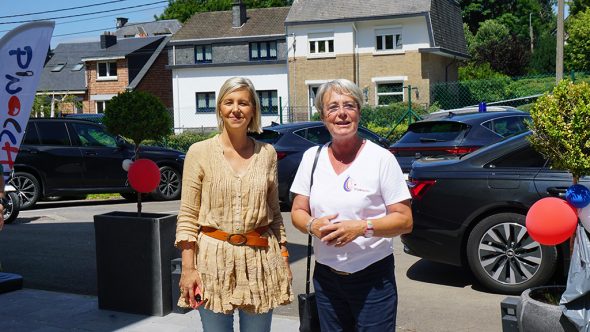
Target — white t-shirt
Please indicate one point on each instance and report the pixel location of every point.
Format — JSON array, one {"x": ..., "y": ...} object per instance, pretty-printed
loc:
[{"x": 363, "y": 191}]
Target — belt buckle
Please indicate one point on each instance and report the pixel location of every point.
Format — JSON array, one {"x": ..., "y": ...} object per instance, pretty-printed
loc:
[{"x": 241, "y": 239}]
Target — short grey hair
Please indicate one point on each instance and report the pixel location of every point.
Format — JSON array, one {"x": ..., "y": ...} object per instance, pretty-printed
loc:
[
  {"x": 231, "y": 85},
  {"x": 341, "y": 86}
]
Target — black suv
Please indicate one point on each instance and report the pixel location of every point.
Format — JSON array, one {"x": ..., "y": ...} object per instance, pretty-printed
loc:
[
  {"x": 72, "y": 157},
  {"x": 471, "y": 211},
  {"x": 457, "y": 132}
]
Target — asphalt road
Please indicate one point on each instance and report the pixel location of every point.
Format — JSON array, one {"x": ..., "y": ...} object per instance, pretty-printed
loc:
[{"x": 53, "y": 248}]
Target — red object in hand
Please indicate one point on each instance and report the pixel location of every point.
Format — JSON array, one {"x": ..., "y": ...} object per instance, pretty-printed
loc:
[
  {"x": 144, "y": 175},
  {"x": 551, "y": 221},
  {"x": 198, "y": 298}
]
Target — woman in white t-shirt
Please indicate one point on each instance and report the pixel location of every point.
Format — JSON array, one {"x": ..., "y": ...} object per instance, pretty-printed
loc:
[{"x": 358, "y": 202}]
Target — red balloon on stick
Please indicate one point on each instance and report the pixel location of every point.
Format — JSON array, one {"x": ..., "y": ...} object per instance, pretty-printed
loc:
[
  {"x": 144, "y": 175},
  {"x": 551, "y": 221}
]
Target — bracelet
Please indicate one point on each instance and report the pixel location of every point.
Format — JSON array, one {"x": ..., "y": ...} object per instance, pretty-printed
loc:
[
  {"x": 285, "y": 253},
  {"x": 309, "y": 224}
]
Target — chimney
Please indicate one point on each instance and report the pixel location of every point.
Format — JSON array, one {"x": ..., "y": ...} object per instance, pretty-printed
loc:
[
  {"x": 107, "y": 40},
  {"x": 121, "y": 21},
  {"x": 238, "y": 13}
]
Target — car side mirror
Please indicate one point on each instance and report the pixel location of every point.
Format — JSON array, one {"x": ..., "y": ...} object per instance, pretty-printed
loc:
[{"x": 120, "y": 141}]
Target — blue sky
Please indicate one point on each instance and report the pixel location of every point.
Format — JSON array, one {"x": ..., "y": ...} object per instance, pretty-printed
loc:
[{"x": 89, "y": 23}]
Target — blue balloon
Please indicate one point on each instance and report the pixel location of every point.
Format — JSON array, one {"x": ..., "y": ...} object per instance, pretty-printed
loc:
[{"x": 578, "y": 196}]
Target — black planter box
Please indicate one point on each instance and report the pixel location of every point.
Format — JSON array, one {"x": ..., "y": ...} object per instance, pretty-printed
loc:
[{"x": 133, "y": 257}]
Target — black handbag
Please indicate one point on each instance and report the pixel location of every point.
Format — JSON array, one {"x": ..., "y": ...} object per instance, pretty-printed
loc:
[{"x": 309, "y": 320}]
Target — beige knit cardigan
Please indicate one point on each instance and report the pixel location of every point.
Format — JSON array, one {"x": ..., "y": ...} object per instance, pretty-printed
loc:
[{"x": 249, "y": 278}]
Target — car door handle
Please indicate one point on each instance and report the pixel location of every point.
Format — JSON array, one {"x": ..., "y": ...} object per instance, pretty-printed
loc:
[
  {"x": 557, "y": 191},
  {"x": 88, "y": 153}
]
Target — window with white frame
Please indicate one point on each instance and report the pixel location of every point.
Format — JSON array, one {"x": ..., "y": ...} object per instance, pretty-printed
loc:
[
  {"x": 205, "y": 102},
  {"x": 269, "y": 101},
  {"x": 388, "y": 39},
  {"x": 203, "y": 54},
  {"x": 390, "y": 92},
  {"x": 263, "y": 50},
  {"x": 101, "y": 105},
  {"x": 107, "y": 70},
  {"x": 321, "y": 43}
]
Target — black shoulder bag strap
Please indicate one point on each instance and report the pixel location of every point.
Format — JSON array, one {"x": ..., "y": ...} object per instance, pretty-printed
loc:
[{"x": 315, "y": 162}]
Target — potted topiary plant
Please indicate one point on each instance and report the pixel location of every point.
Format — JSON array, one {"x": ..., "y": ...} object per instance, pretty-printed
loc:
[
  {"x": 134, "y": 251},
  {"x": 561, "y": 132},
  {"x": 138, "y": 116}
]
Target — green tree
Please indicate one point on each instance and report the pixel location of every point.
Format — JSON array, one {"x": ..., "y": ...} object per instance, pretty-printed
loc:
[
  {"x": 182, "y": 10},
  {"x": 473, "y": 71},
  {"x": 561, "y": 127},
  {"x": 543, "y": 56},
  {"x": 577, "y": 49},
  {"x": 41, "y": 106},
  {"x": 139, "y": 116},
  {"x": 505, "y": 52},
  {"x": 577, "y": 6}
]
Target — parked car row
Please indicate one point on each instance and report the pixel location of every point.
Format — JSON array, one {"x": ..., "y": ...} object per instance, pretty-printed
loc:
[
  {"x": 470, "y": 211},
  {"x": 69, "y": 157},
  {"x": 472, "y": 176}
]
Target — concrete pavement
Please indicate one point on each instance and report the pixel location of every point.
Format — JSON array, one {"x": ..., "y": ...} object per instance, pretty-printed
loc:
[{"x": 39, "y": 310}]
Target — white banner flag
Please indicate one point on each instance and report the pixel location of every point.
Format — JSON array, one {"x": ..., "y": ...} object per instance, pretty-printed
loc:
[{"x": 22, "y": 56}]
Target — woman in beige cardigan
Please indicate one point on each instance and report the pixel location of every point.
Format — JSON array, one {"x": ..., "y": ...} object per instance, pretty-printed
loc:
[{"x": 230, "y": 229}]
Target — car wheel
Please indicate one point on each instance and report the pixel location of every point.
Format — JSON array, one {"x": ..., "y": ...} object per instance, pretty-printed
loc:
[
  {"x": 29, "y": 190},
  {"x": 11, "y": 207},
  {"x": 504, "y": 258},
  {"x": 170, "y": 183}
]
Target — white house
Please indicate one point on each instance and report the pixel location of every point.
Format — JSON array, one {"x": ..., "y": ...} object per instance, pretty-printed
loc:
[{"x": 214, "y": 46}]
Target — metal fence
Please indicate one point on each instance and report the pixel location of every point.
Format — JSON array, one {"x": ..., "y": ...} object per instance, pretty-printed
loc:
[{"x": 509, "y": 91}]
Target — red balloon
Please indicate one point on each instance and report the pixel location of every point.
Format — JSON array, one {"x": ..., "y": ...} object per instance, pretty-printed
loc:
[
  {"x": 551, "y": 220},
  {"x": 144, "y": 175}
]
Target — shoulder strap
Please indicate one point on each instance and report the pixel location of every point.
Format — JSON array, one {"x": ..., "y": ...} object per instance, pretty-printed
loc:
[{"x": 315, "y": 162}]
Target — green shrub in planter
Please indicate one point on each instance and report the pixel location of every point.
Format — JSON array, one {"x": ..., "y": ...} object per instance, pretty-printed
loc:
[
  {"x": 138, "y": 116},
  {"x": 561, "y": 127}
]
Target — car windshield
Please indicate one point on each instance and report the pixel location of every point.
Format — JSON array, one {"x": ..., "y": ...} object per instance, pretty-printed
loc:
[{"x": 434, "y": 131}]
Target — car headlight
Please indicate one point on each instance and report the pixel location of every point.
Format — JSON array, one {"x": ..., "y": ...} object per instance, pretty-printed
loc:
[{"x": 181, "y": 156}]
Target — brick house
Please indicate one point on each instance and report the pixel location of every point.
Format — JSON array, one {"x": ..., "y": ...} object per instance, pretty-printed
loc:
[
  {"x": 382, "y": 45},
  {"x": 214, "y": 46},
  {"x": 94, "y": 72}
]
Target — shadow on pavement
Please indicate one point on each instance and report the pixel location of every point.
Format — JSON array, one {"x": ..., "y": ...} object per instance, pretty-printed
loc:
[{"x": 442, "y": 274}]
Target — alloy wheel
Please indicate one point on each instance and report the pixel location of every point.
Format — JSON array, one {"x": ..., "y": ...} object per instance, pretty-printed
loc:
[
  {"x": 508, "y": 254},
  {"x": 169, "y": 186}
]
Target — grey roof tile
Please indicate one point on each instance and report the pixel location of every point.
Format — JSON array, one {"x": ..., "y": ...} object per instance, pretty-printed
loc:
[
  {"x": 322, "y": 10},
  {"x": 153, "y": 28},
  {"x": 73, "y": 53},
  {"x": 210, "y": 25}
]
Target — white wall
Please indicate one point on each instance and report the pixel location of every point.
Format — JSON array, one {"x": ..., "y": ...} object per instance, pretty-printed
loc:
[
  {"x": 414, "y": 32},
  {"x": 187, "y": 82}
]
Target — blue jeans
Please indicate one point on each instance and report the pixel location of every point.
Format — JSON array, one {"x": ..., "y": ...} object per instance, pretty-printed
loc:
[
  {"x": 362, "y": 301},
  {"x": 216, "y": 322}
]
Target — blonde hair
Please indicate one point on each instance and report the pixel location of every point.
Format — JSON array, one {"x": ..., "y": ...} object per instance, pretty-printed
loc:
[
  {"x": 341, "y": 86},
  {"x": 231, "y": 85}
]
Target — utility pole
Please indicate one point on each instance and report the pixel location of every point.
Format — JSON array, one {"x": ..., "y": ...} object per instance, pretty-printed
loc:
[{"x": 559, "y": 50}]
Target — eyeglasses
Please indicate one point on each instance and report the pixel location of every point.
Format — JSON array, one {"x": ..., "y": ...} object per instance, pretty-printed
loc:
[{"x": 347, "y": 107}]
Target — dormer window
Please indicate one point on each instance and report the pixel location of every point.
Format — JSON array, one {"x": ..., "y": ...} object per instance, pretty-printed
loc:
[
  {"x": 263, "y": 50},
  {"x": 58, "y": 67},
  {"x": 203, "y": 54},
  {"x": 107, "y": 70}
]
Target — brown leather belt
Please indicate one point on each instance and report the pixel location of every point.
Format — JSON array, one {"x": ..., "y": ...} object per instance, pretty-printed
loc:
[
  {"x": 252, "y": 239},
  {"x": 342, "y": 273}
]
